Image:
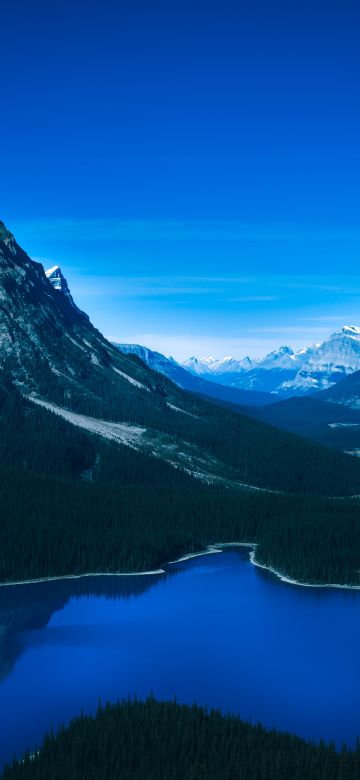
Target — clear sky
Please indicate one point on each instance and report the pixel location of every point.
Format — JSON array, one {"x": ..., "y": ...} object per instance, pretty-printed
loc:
[{"x": 194, "y": 167}]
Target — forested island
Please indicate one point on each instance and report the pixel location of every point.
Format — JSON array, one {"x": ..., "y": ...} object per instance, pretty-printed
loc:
[{"x": 134, "y": 740}]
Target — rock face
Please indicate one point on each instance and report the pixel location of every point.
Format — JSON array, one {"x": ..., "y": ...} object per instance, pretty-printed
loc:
[
  {"x": 346, "y": 392},
  {"x": 34, "y": 318},
  {"x": 47, "y": 345},
  {"x": 58, "y": 282},
  {"x": 287, "y": 373}
]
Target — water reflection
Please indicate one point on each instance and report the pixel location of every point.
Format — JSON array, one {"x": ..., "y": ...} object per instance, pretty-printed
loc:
[
  {"x": 30, "y": 607},
  {"x": 214, "y": 629}
]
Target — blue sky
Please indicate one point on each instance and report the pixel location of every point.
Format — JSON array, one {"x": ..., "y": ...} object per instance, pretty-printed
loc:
[{"x": 194, "y": 168}]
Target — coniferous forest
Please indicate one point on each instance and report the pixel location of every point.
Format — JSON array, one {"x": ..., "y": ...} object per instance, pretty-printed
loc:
[
  {"x": 54, "y": 526},
  {"x": 134, "y": 740},
  {"x": 72, "y": 502}
]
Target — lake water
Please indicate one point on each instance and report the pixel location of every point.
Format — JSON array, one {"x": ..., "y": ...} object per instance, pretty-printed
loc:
[{"x": 214, "y": 629}]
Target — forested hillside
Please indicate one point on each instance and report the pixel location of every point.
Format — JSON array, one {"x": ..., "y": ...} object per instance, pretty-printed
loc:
[
  {"x": 330, "y": 424},
  {"x": 222, "y": 443},
  {"x": 73, "y": 501},
  {"x": 153, "y": 740},
  {"x": 49, "y": 350},
  {"x": 53, "y": 526}
]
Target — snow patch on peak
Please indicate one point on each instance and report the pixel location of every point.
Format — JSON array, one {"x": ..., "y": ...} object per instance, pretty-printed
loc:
[
  {"x": 282, "y": 358},
  {"x": 57, "y": 279},
  {"x": 59, "y": 283},
  {"x": 351, "y": 330},
  {"x": 52, "y": 270},
  {"x": 208, "y": 361},
  {"x": 198, "y": 367}
]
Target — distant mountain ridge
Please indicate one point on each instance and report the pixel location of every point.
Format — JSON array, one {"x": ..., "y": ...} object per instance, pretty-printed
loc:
[
  {"x": 211, "y": 366},
  {"x": 193, "y": 382},
  {"x": 285, "y": 372}
]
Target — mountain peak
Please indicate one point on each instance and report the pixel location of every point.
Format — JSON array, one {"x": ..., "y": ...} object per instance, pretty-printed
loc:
[
  {"x": 5, "y": 234},
  {"x": 58, "y": 282},
  {"x": 277, "y": 354},
  {"x": 350, "y": 330},
  {"x": 57, "y": 279},
  {"x": 7, "y": 238}
]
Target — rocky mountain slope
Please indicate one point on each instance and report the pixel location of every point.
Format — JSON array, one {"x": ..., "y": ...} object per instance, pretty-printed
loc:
[
  {"x": 58, "y": 282},
  {"x": 53, "y": 355},
  {"x": 346, "y": 392}
]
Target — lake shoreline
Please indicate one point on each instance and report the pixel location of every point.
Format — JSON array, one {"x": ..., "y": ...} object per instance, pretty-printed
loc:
[
  {"x": 211, "y": 549},
  {"x": 289, "y": 581}
]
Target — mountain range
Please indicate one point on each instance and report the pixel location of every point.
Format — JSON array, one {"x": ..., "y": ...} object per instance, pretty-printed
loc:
[
  {"x": 191, "y": 381},
  {"x": 58, "y": 361},
  {"x": 330, "y": 417},
  {"x": 285, "y": 372},
  {"x": 281, "y": 374}
]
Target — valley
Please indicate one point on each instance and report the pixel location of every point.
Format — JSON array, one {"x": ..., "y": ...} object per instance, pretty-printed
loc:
[
  {"x": 180, "y": 390},
  {"x": 109, "y": 467}
]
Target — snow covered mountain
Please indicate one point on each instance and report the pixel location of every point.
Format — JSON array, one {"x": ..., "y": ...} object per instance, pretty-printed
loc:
[
  {"x": 253, "y": 375},
  {"x": 209, "y": 366},
  {"x": 199, "y": 367},
  {"x": 286, "y": 372},
  {"x": 193, "y": 380},
  {"x": 327, "y": 363}
]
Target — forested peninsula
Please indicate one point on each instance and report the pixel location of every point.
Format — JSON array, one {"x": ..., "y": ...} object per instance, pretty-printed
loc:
[{"x": 133, "y": 740}]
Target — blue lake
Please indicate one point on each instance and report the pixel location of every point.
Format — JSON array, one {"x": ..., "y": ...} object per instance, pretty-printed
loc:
[{"x": 213, "y": 629}]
